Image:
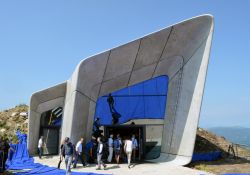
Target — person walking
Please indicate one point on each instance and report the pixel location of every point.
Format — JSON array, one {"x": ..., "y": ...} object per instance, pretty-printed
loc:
[
  {"x": 79, "y": 153},
  {"x": 99, "y": 154},
  {"x": 117, "y": 148},
  {"x": 40, "y": 147},
  {"x": 61, "y": 156},
  {"x": 128, "y": 146},
  {"x": 111, "y": 149},
  {"x": 88, "y": 151},
  {"x": 68, "y": 151},
  {"x": 135, "y": 146}
]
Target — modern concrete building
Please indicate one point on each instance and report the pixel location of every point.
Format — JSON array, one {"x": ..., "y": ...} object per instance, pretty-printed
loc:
[{"x": 181, "y": 52}]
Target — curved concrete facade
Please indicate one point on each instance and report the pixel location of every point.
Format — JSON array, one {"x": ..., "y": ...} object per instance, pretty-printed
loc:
[{"x": 180, "y": 51}]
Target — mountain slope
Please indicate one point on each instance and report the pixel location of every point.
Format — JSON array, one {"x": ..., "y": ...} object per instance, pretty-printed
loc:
[
  {"x": 13, "y": 119},
  {"x": 238, "y": 135}
]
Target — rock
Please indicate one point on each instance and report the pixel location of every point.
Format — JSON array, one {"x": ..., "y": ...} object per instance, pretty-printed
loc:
[
  {"x": 14, "y": 114},
  {"x": 24, "y": 114},
  {"x": 2, "y": 130}
]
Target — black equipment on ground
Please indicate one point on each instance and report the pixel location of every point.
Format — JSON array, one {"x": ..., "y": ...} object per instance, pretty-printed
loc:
[{"x": 1, "y": 162}]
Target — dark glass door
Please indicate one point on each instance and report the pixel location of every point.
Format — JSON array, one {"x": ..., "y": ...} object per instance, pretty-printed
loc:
[{"x": 51, "y": 140}]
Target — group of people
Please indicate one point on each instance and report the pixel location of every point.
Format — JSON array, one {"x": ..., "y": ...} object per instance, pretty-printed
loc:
[
  {"x": 96, "y": 150},
  {"x": 130, "y": 145}
]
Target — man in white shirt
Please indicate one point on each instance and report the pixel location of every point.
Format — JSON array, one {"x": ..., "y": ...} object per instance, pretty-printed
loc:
[
  {"x": 111, "y": 149},
  {"x": 79, "y": 153},
  {"x": 40, "y": 147},
  {"x": 128, "y": 147}
]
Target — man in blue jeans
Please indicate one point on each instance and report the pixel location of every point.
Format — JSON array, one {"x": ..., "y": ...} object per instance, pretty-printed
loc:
[{"x": 68, "y": 151}]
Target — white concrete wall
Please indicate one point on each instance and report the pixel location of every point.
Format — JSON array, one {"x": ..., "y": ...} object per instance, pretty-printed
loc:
[
  {"x": 181, "y": 52},
  {"x": 40, "y": 102}
]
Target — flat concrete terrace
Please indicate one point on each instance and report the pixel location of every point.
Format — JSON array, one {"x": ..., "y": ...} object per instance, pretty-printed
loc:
[{"x": 138, "y": 169}]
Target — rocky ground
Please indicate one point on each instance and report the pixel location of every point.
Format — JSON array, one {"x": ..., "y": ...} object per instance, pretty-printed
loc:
[
  {"x": 207, "y": 142},
  {"x": 13, "y": 119}
]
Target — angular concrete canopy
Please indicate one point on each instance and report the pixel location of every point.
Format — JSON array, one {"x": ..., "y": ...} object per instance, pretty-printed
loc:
[{"x": 181, "y": 52}]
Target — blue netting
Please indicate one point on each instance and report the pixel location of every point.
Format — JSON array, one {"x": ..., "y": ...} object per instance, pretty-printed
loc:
[
  {"x": 146, "y": 100},
  {"x": 211, "y": 156},
  {"x": 20, "y": 160}
]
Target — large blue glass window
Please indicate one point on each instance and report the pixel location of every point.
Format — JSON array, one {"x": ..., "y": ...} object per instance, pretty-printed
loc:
[{"x": 145, "y": 100}]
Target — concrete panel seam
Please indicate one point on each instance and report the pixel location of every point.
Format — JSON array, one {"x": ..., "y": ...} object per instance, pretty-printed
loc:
[
  {"x": 162, "y": 51},
  {"x": 176, "y": 105},
  {"x": 134, "y": 62},
  {"x": 104, "y": 74},
  {"x": 181, "y": 66},
  {"x": 189, "y": 57},
  {"x": 85, "y": 95},
  {"x": 204, "y": 40}
]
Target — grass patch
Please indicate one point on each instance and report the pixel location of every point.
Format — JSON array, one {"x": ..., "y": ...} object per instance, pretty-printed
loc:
[{"x": 202, "y": 167}]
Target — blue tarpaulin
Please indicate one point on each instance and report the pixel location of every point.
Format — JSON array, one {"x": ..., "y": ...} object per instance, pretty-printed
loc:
[
  {"x": 206, "y": 156},
  {"x": 21, "y": 160},
  {"x": 140, "y": 101}
]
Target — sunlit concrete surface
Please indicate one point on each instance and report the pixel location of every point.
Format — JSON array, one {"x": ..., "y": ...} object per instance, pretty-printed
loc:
[
  {"x": 180, "y": 51},
  {"x": 137, "y": 169}
]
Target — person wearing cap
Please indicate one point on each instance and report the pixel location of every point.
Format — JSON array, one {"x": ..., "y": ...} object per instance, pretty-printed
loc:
[{"x": 68, "y": 151}]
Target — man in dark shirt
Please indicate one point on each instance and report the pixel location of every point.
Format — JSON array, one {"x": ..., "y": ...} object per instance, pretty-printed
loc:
[
  {"x": 88, "y": 151},
  {"x": 68, "y": 151}
]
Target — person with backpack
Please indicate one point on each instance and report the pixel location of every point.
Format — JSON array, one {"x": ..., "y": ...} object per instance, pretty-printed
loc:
[
  {"x": 100, "y": 149},
  {"x": 117, "y": 148},
  {"x": 68, "y": 151}
]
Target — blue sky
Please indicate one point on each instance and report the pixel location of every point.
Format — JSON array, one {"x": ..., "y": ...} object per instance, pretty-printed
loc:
[{"x": 41, "y": 42}]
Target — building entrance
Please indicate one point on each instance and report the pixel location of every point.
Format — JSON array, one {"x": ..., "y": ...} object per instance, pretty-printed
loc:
[
  {"x": 126, "y": 131},
  {"x": 50, "y": 125},
  {"x": 51, "y": 140}
]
